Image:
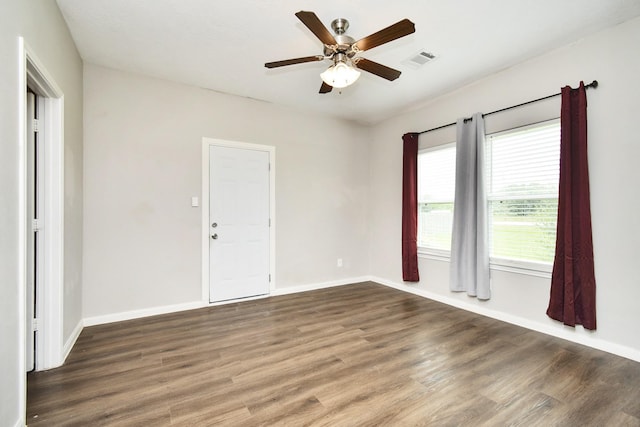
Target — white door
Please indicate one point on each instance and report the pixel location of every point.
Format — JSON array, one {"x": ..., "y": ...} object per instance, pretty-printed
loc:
[
  {"x": 33, "y": 198},
  {"x": 238, "y": 223}
]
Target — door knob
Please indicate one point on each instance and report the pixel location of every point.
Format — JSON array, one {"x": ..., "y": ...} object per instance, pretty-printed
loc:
[{"x": 215, "y": 236}]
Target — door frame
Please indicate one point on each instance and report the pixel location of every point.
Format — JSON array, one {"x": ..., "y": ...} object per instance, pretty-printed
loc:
[
  {"x": 49, "y": 300},
  {"x": 206, "y": 143}
]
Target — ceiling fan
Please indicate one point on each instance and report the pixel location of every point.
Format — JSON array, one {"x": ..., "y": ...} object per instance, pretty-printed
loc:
[{"x": 343, "y": 51}]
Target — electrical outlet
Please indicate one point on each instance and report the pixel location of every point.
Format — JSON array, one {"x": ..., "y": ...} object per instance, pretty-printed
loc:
[{"x": 339, "y": 263}]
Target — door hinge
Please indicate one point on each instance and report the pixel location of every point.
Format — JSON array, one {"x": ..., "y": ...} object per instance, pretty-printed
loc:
[
  {"x": 36, "y": 225},
  {"x": 36, "y": 125},
  {"x": 269, "y": 222},
  {"x": 269, "y": 278},
  {"x": 269, "y": 168},
  {"x": 34, "y": 324}
]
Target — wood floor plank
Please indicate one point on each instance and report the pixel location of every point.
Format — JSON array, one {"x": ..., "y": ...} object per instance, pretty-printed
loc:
[{"x": 362, "y": 354}]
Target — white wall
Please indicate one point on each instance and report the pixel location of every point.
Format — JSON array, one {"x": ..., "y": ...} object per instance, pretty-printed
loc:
[
  {"x": 142, "y": 165},
  {"x": 44, "y": 30},
  {"x": 612, "y": 58}
]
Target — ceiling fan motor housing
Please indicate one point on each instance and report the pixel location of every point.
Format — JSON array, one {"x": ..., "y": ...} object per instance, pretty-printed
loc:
[{"x": 344, "y": 42}]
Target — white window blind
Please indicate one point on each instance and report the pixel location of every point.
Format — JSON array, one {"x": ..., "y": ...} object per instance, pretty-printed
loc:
[
  {"x": 523, "y": 172},
  {"x": 436, "y": 186}
]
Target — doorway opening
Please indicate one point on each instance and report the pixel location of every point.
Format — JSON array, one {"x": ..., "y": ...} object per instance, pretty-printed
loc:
[
  {"x": 42, "y": 218},
  {"x": 34, "y": 215}
]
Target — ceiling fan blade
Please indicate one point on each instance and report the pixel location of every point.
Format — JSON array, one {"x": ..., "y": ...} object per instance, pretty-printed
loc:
[
  {"x": 294, "y": 61},
  {"x": 392, "y": 32},
  {"x": 316, "y": 26},
  {"x": 325, "y": 88},
  {"x": 378, "y": 69}
]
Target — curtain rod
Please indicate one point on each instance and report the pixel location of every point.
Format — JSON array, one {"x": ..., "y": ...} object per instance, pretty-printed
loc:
[{"x": 593, "y": 84}]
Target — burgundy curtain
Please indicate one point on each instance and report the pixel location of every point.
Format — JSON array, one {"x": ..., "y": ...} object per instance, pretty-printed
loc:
[
  {"x": 410, "y": 208},
  {"x": 573, "y": 284}
]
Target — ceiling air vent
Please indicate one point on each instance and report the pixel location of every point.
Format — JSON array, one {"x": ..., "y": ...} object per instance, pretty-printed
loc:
[{"x": 419, "y": 59}]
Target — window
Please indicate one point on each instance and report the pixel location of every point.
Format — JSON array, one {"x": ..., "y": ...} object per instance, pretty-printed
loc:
[
  {"x": 522, "y": 167},
  {"x": 436, "y": 185}
]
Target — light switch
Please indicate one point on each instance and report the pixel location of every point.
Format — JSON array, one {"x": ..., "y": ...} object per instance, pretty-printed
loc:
[{"x": 194, "y": 202}]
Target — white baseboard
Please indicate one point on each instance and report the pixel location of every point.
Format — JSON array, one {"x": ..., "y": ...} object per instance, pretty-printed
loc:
[
  {"x": 145, "y": 312},
  {"x": 72, "y": 340},
  {"x": 315, "y": 286},
  {"x": 569, "y": 335},
  {"x": 136, "y": 314}
]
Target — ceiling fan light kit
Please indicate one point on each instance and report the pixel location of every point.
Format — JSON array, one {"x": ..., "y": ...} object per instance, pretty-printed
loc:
[
  {"x": 341, "y": 74},
  {"x": 342, "y": 50}
]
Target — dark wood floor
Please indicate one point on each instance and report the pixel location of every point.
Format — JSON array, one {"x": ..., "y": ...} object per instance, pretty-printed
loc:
[{"x": 349, "y": 356}]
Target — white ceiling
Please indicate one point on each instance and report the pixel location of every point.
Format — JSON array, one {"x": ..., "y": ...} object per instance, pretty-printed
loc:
[{"x": 223, "y": 45}]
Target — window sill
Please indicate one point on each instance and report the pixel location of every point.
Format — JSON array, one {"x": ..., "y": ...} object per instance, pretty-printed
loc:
[
  {"x": 522, "y": 267},
  {"x": 434, "y": 254},
  {"x": 510, "y": 266}
]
